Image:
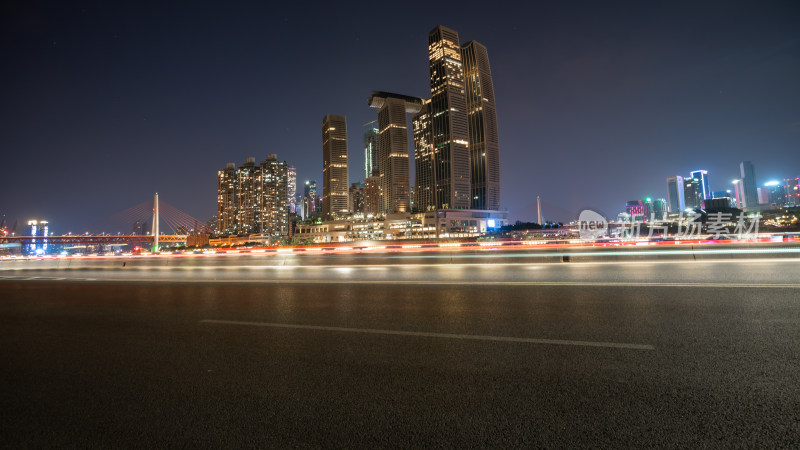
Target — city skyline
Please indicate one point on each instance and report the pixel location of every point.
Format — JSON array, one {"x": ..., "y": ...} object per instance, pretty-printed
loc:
[{"x": 567, "y": 104}]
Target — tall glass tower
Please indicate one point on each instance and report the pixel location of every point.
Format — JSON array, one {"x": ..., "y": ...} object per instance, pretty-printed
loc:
[
  {"x": 702, "y": 178},
  {"x": 370, "y": 149},
  {"x": 484, "y": 145},
  {"x": 335, "y": 182},
  {"x": 448, "y": 111},
  {"x": 748, "y": 172},
  {"x": 675, "y": 197}
]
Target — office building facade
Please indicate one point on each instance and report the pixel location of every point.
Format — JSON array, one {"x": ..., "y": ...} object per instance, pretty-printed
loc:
[
  {"x": 675, "y": 196},
  {"x": 692, "y": 193},
  {"x": 424, "y": 179},
  {"x": 370, "y": 148},
  {"x": 484, "y": 145},
  {"x": 449, "y": 129},
  {"x": 748, "y": 173},
  {"x": 292, "y": 188},
  {"x": 335, "y": 182},
  {"x": 702, "y": 179},
  {"x": 393, "y": 163}
]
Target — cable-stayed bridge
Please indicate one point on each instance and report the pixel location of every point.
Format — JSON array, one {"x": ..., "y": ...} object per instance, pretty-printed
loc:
[{"x": 167, "y": 224}]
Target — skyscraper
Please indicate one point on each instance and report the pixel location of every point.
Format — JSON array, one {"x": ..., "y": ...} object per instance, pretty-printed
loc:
[
  {"x": 774, "y": 192},
  {"x": 658, "y": 209},
  {"x": 448, "y": 110},
  {"x": 372, "y": 194},
  {"x": 692, "y": 193},
  {"x": 226, "y": 199},
  {"x": 738, "y": 193},
  {"x": 246, "y": 197},
  {"x": 424, "y": 180},
  {"x": 356, "y": 198},
  {"x": 675, "y": 194},
  {"x": 791, "y": 190},
  {"x": 291, "y": 189},
  {"x": 702, "y": 177},
  {"x": 335, "y": 181},
  {"x": 370, "y": 148},
  {"x": 748, "y": 172},
  {"x": 484, "y": 144},
  {"x": 272, "y": 200},
  {"x": 393, "y": 161}
]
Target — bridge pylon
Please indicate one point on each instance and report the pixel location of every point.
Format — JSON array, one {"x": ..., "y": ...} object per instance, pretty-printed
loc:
[{"x": 155, "y": 223}]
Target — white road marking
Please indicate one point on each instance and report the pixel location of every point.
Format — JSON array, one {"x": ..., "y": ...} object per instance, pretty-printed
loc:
[{"x": 436, "y": 335}]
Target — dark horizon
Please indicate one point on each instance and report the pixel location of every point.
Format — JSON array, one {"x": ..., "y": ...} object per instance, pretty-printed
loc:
[{"x": 597, "y": 105}]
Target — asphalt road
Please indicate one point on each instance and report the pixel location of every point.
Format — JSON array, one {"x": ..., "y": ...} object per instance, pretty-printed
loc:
[{"x": 643, "y": 353}]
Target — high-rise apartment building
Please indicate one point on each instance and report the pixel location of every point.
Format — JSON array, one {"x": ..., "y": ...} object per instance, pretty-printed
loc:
[
  {"x": 372, "y": 194},
  {"x": 748, "y": 172},
  {"x": 253, "y": 198},
  {"x": 393, "y": 161},
  {"x": 246, "y": 197},
  {"x": 370, "y": 148},
  {"x": 675, "y": 196},
  {"x": 291, "y": 190},
  {"x": 272, "y": 199},
  {"x": 335, "y": 181},
  {"x": 484, "y": 144},
  {"x": 448, "y": 110},
  {"x": 226, "y": 199}
]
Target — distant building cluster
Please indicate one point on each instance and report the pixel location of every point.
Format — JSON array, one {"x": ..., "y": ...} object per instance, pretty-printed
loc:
[
  {"x": 694, "y": 194},
  {"x": 457, "y": 165},
  {"x": 456, "y": 156}
]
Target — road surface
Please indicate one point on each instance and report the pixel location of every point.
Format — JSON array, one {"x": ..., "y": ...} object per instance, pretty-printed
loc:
[{"x": 402, "y": 353}]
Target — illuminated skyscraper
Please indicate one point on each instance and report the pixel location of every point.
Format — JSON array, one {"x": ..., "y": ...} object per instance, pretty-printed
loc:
[
  {"x": 675, "y": 194},
  {"x": 335, "y": 181},
  {"x": 246, "y": 197},
  {"x": 424, "y": 180},
  {"x": 692, "y": 193},
  {"x": 748, "y": 172},
  {"x": 38, "y": 228},
  {"x": 791, "y": 191},
  {"x": 738, "y": 193},
  {"x": 291, "y": 189},
  {"x": 393, "y": 161},
  {"x": 370, "y": 148},
  {"x": 272, "y": 207},
  {"x": 484, "y": 144},
  {"x": 448, "y": 109},
  {"x": 702, "y": 178},
  {"x": 372, "y": 194},
  {"x": 226, "y": 199}
]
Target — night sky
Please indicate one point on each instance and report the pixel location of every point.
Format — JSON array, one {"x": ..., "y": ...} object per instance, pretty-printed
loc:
[{"x": 598, "y": 102}]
